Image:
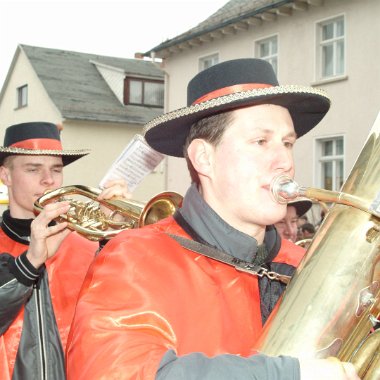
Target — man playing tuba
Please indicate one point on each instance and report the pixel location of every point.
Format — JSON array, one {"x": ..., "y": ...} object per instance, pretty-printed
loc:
[{"x": 187, "y": 297}]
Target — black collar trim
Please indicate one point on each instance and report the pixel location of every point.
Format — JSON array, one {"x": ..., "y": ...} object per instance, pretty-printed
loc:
[{"x": 16, "y": 229}]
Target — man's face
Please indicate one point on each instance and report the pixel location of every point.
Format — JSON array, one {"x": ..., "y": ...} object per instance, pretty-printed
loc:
[
  {"x": 255, "y": 148},
  {"x": 27, "y": 178},
  {"x": 287, "y": 227}
]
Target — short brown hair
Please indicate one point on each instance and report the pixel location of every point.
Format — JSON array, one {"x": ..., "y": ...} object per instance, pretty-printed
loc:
[
  {"x": 210, "y": 129},
  {"x": 8, "y": 161}
]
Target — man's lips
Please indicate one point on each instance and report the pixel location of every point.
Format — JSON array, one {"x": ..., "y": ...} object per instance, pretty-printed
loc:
[
  {"x": 39, "y": 195},
  {"x": 43, "y": 192}
]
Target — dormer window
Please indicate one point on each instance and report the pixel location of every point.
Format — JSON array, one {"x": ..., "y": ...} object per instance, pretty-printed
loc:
[{"x": 143, "y": 92}]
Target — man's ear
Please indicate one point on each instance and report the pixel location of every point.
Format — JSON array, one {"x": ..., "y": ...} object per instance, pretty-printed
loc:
[
  {"x": 200, "y": 155},
  {"x": 5, "y": 176}
]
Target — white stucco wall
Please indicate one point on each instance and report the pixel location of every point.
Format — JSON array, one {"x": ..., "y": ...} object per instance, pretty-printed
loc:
[{"x": 39, "y": 105}]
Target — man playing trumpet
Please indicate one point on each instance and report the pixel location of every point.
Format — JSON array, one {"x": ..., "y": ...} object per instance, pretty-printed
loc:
[{"x": 42, "y": 264}]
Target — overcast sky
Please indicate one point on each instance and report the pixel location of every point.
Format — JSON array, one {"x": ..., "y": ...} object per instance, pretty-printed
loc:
[{"x": 108, "y": 27}]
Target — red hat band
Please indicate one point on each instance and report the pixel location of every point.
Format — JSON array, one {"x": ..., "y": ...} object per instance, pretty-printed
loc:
[
  {"x": 231, "y": 90},
  {"x": 38, "y": 144}
]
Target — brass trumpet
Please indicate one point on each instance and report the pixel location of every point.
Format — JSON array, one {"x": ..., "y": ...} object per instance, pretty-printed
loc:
[{"x": 87, "y": 218}]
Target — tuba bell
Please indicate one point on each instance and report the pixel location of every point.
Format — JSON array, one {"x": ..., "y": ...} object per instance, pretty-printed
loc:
[
  {"x": 88, "y": 219},
  {"x": 331, "y": 306}
]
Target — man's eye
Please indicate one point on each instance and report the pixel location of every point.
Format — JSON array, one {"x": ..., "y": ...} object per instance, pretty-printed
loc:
[
  {"x": 260, "y": 141},
  {"x": 288, "y": 144}
]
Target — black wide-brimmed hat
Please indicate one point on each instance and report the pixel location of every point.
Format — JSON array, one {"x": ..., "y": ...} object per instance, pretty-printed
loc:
[
  {"x": 302, "y": 206},
  {"x": 230, "y": 85},
  {"x": 37, "y": 138}
]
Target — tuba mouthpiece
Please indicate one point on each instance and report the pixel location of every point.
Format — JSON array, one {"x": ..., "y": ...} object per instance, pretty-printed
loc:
[{"x": 285, "y": 189}]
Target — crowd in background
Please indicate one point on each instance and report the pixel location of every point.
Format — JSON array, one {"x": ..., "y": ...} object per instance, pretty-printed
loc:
[{"x": 301, "y": 221}]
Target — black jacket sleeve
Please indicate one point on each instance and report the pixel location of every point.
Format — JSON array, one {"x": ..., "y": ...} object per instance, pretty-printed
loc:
[{"x": 17, "y": 277}]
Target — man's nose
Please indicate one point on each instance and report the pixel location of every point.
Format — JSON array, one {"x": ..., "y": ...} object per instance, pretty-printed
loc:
[
  {"x": 47, "y": 177},
  {"x": 288, "y": 227},
  {"x": 283, "y": 159}
]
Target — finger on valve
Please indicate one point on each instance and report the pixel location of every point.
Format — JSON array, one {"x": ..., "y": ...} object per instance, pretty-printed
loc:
[{"x": 50, "y": 212}]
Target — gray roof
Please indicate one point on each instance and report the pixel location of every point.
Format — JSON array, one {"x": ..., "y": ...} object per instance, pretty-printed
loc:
[
  {"x": 233, "y": 12},
  {"x": 79, "y": 91}
]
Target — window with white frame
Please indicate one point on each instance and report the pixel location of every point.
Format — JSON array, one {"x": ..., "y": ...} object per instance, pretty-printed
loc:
[
  {"x": 331, "y": 46},
  {"x": 331, "y": 162},
  {"x": 206, "y": 62},
  {"x": 267, "y": 49},
  {"x": 22, "y": 96}
]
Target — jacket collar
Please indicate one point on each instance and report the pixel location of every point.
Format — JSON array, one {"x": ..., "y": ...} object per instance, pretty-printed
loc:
[
  {"x": 16, "y": 229},
  {"x": 207, "y": 226}
]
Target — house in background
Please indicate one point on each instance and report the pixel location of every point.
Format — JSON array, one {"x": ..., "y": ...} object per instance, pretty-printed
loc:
[
  {"x": 100, "y": 102},
  {"x": 330, "y": 44}
]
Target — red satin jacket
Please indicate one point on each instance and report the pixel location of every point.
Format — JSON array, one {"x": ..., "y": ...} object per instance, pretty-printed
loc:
[
  {"x": 66, "y": 271},
  {"x": 146, "y": 294}
]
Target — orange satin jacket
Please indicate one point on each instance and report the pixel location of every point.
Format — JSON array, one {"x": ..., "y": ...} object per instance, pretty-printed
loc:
[{"x": 146, "y": 294}]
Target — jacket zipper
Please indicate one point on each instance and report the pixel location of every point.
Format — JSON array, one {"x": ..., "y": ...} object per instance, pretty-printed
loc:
[{"x": 41, "y": 335}]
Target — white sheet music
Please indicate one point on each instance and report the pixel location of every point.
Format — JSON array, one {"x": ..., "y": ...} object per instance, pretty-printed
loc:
[{"x": 135, "y": 162}]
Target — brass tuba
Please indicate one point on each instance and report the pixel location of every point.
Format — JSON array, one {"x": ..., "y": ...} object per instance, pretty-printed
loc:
[
  {"x": 331, "y": 306},
  {"x": 89, "y": 220}
]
